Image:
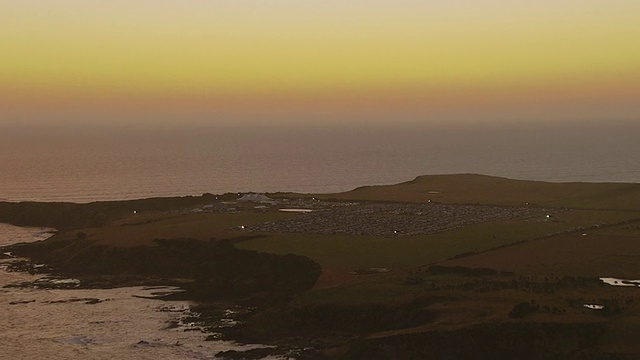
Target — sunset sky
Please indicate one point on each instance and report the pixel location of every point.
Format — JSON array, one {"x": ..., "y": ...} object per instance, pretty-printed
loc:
[{"x": 212, "y": 61}]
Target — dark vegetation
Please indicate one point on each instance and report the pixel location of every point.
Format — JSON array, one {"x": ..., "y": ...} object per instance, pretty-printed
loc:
[
  {"x": 215, "y": 270},
  {"x": 461, "y": 270},
  {"x": 64, "y": 216},
  {"x": 320, "y": 324},
  {"x": 522, "y": 341},
  {"x": 523, "y": 309}
]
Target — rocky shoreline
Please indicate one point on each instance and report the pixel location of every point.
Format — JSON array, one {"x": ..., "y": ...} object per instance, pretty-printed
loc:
[{"x": 213, "y": 316}]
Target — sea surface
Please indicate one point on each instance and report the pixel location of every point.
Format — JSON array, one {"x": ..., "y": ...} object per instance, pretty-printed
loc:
[
  {"x": 85, "y": 164},
  {"x": 58, "y": 324}
]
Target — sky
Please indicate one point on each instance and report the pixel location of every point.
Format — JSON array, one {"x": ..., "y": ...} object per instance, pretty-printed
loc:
[{"x": 306, "y": 62}]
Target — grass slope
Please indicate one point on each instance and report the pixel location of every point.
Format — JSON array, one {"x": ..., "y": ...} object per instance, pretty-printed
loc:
[{"x": 481, "y": 189}]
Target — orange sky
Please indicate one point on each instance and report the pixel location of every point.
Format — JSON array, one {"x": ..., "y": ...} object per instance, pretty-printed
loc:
[{"x": 215, "y": 62}]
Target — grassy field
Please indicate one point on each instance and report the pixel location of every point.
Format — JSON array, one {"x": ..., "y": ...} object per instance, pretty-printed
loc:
[
  {"x": 609, "y": 252},
  {"x": 143, "y": 228},
  {"x": 340, "y": 254},
  {"x": 480, "y": 189}
]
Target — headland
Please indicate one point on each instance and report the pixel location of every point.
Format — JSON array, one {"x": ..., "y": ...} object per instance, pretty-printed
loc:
[{"x": 448, "y": 266}]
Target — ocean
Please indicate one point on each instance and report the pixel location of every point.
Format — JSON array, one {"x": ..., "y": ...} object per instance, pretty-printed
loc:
[{"x": 86, "y": 164}]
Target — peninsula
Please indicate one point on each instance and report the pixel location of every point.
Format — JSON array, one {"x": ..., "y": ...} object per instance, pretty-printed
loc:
[{"x": 444, "y": 266}]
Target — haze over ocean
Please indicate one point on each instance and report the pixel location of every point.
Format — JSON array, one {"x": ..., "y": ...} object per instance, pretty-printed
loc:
[
  {"x": 107, "y": 163},
  {"x": 128, "y": 99}
]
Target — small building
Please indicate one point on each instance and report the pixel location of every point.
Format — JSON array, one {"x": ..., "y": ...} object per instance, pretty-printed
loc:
[{"x": 253, "y": 197}]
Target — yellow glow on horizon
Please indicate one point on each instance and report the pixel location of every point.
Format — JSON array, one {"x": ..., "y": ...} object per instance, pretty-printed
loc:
[{"x": 284, "y": 47}]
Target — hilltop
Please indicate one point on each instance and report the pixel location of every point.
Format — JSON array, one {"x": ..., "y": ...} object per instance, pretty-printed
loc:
[{"x": 483, "y": 189}]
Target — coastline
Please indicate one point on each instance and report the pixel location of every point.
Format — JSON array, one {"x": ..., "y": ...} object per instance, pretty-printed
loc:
[
  {"x": 207, "y": 316},
  {"x": 297, "y": 304}
]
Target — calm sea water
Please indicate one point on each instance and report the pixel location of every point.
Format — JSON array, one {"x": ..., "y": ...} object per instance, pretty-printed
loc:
[{"x": 87, "y": 164}]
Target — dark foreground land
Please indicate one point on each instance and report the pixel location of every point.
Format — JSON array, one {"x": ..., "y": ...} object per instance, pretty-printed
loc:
[{"x": 441, "y": 267}]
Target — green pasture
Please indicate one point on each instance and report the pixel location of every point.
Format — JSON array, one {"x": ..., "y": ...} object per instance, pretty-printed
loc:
[
  {"x": 481, "y": 189},
  {"x": 351, "y": 252}
]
